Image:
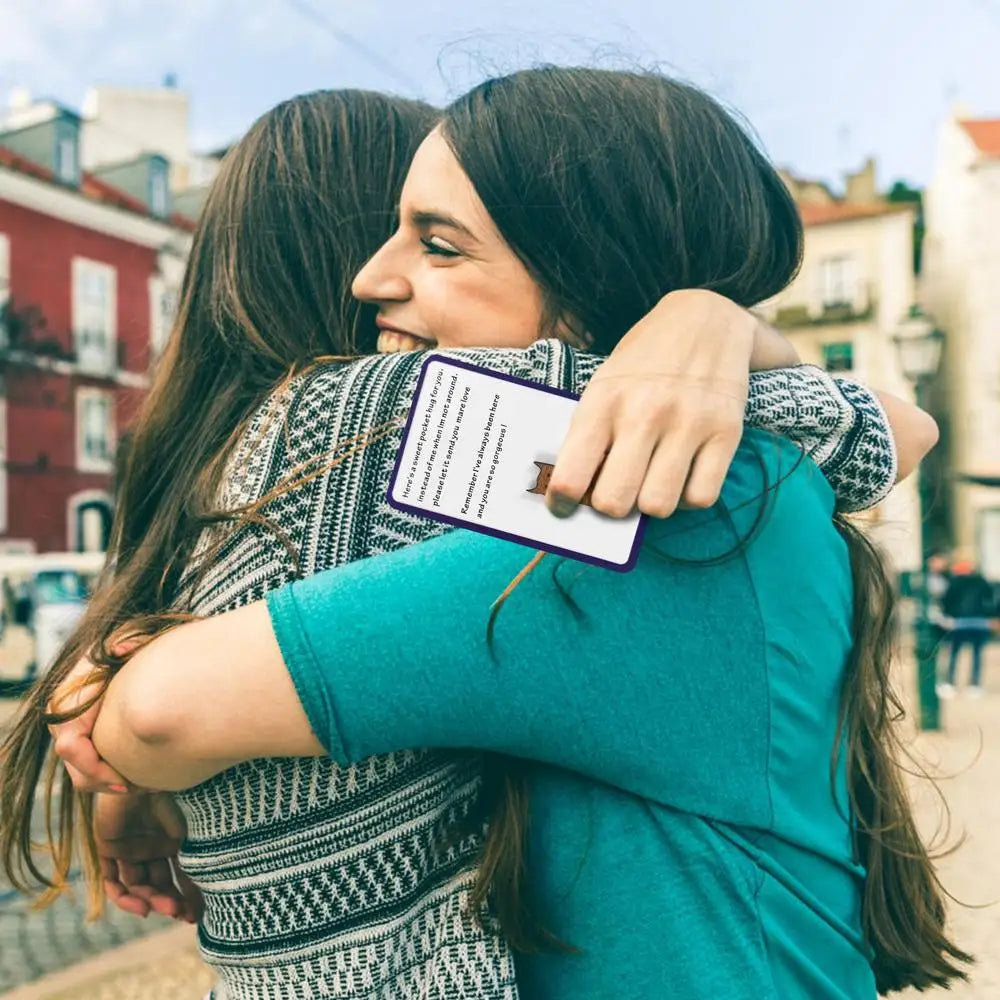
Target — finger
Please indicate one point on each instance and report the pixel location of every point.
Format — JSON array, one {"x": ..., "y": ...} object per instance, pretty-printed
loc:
[
  {"x": 164, "y": 895},
  {"x": 167, "y": 905},
  {"x": 122, "y": 647},
  {"x": 97, "y": 779},
  {"x": 124, "y": 900},
  {"x": 77, "y": 689},
  {"x": 134, "y": 875},
  {"x": 582, "y": 452},
  {"x": 194, "y": 903},
  {"x": 74, "y": 745},
  {"x": 161, "y": 877},
  {"x": 709, "y": 471},
  {"x": 621, "y": 477},
  {"x": 665, "y": 477},
  {"x": 140, "y": 848}
]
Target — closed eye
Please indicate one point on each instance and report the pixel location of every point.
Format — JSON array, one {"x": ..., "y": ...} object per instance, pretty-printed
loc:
[{"x": 436, "y": 247}]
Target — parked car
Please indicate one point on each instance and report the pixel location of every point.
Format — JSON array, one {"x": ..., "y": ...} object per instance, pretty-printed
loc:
[
  {"x": 58, "y": 599},
  {"x": 47, "y": 595}
]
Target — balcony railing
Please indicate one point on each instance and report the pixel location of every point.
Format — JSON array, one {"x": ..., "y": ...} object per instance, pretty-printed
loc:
[
  {"x": 95, "y": 356},
  {"x": 860, "y": 309}
]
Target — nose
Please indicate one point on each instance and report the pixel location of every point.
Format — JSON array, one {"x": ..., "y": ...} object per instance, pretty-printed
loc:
[{"x": 380, "y": 280}]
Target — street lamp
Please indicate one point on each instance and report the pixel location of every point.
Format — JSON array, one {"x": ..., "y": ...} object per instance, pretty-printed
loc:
[{"x": 919, "y": 343}]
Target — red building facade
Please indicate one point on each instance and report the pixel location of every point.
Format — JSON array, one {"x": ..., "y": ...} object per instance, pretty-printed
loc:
[{"x": 87, "y": 278}]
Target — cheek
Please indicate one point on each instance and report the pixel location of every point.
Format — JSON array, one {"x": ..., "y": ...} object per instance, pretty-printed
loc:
[{"x": 472, "y": 312}]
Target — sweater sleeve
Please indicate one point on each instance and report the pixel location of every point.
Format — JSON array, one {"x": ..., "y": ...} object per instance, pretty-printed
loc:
[
  {"x": 838, "y": 423},
  {"x": 641, "y": 674}
]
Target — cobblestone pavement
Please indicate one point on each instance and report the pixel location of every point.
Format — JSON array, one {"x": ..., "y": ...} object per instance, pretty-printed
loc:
[
  {"x": 34, "y": 942},
  {"x": 964, "y": 758},
  {"x": 162, "y": 967}
]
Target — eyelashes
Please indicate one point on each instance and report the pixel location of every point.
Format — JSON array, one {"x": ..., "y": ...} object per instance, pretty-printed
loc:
[{"x": 438, "y": 249}]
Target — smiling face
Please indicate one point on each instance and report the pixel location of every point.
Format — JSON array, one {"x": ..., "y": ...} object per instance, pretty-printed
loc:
[{"x": 446, "y": 276}]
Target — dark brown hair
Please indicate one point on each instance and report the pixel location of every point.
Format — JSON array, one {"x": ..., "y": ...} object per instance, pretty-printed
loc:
[
  {"x": 614, "y": 189},
  {"x": 300, "y": 203}
]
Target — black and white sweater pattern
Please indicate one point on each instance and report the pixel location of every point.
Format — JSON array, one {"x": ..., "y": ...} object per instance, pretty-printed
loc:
[{"x": 324, "y": 881}]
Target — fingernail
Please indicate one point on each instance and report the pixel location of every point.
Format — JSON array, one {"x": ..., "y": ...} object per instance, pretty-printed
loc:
[
  {"x": 120, "y": 789},
  {"x": 562, "y": 506}
]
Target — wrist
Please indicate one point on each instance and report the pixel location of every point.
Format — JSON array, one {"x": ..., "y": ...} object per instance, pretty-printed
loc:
[
  {"x": 717, "y": 315},
  {"x": 769, "y": 349}
]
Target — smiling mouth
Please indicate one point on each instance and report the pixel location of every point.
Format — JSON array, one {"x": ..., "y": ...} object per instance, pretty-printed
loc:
[{"x": 396, "y": 342}]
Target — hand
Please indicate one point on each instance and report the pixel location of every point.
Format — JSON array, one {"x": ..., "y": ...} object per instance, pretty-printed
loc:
[
  {"x": 138, "y": 837},
  {"x": 72, "y": 741},
  {"x": 661, "y": 419}
]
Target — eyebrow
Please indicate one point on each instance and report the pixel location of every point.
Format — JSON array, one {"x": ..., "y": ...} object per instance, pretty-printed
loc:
[{"x": 423, "y": 219}]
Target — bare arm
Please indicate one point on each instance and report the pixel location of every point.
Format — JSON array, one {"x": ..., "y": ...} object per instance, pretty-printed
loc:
[
  {"x": 914, "y": 430},
  {"x": 165, "y": 720}
]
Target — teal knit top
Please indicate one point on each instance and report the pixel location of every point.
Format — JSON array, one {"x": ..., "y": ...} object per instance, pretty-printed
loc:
[{"x": 686, "y": 835}]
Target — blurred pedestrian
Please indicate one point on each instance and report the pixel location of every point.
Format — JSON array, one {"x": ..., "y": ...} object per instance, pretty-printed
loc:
[
  {"x": 970, "y": 606},
  {"x": 938, "y": 578}
]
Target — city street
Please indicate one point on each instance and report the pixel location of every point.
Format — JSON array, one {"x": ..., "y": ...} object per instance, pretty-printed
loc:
[{"x": 965, "y": 760}]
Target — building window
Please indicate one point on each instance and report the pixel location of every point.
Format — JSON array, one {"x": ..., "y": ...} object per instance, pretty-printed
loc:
[
  {"x": 95, "y": 431},
  {"x": 94, "y": 308},
  {"x": 838, "y": 281},
  {"x": 4, "y": 286},
  {"x": 838, "y": 357},
  {"x": 158, "y": 193},
  {"x": 90, "y": 514},
  {"x": 66, "y": 159},
  {"x": 163, "y": 300}
]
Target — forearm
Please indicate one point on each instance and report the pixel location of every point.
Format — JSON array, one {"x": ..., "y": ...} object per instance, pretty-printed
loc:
[
  {"x": 915, "y": 432},
  {"x": 200, "y": 699},
  {"x": 771, "y": 349}
]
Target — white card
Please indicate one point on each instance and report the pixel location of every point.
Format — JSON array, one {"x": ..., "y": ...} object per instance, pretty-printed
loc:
[{"x": 470, "y": 456}]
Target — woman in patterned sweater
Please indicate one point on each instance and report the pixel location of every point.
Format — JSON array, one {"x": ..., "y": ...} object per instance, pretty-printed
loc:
[{"x": 319, "y": 879}]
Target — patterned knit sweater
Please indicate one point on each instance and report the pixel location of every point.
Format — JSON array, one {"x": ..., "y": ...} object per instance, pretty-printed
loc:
[{"x": 322, "y": 881}]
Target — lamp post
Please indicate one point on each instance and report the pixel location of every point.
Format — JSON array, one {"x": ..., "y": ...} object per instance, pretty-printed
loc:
[{"x": 919, "y": 343}]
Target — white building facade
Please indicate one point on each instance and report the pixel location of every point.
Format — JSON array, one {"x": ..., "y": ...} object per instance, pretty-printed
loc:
[
  {"x": 843, "y": 309},
  {"x": 961, "y": 288}
]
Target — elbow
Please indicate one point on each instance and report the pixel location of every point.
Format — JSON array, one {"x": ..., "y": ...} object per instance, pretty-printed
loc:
[
  {"x": 147, "y": 718},
  {"x": 924, "y": 435}
]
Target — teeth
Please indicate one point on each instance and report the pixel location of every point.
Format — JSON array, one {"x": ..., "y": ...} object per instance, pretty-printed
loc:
[{"x": 389, "y": 343}]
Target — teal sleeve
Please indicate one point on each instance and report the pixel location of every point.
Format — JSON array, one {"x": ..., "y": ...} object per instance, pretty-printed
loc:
[{"x": 641, "y": 675}]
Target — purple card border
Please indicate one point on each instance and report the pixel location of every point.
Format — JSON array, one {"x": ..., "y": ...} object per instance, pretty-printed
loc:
[{"x": 495, "y": 532}]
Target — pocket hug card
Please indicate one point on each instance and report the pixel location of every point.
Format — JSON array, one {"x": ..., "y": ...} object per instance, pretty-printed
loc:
[{"x": 477, "y": 452}]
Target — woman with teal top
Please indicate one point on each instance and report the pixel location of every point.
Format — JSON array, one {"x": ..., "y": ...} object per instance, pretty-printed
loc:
[{"x": 676, "y": 725}]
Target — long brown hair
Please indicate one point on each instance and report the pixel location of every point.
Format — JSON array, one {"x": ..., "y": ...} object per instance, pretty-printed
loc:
[
  {"x": 614, "y": 189},
  {"x": 299, "y": 204}
]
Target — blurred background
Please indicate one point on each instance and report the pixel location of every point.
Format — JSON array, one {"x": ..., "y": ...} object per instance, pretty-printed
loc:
[{"x": 884, "y": 116}]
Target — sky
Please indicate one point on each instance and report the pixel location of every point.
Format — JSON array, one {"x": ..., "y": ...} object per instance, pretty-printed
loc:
[{"x": 824, "y": 85}]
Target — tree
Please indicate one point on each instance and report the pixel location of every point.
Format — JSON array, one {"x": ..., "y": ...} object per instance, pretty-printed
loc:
[{"x": 902, "y": 194}]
